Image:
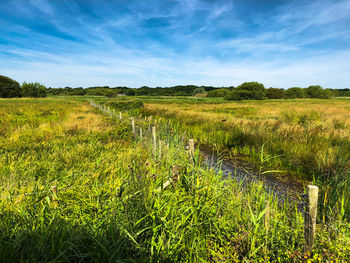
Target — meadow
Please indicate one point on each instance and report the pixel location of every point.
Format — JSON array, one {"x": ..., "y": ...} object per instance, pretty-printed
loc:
[
  {"x": 112, "y": 204},
  {"x": 307, "y": 139}
]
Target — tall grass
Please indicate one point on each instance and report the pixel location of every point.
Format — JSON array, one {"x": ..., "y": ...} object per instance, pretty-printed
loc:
[{"x": 109, "y": 206}]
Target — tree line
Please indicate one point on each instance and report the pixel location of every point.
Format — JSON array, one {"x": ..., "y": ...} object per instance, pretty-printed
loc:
[
  {"x": 257, "y": 91},
  {"x": 10, "y": 88},
  {"x": 245, "y": 91}
]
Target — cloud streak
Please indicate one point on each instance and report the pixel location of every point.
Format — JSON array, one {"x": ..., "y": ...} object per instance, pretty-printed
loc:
[{"x": 160, "y": 43}]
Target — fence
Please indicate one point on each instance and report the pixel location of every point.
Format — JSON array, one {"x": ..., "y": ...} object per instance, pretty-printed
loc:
[{"x": 308, "y": 202}]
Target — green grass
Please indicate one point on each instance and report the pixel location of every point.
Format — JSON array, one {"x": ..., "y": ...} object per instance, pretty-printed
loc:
[
  {"x": 311, "y": 137},
  {"x": 109, "y": 207}
]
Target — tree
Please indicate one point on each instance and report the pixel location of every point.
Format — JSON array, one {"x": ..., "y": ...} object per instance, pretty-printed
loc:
[
  {"x": 198, "y": 91},
  {"x": 248, "y": 91},
  {"x": 9, "y": 88},
  {"x": 273, "y": 93},
  {"x": 35, "y": 90},
  {"x": 218, "y": 92},
  {"x": 295, "y": 92},
  {"x": 316, "y": 91}
]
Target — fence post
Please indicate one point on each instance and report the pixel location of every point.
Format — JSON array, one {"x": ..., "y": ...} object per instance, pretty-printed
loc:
[
  {"x": 154, "y": 141},
  {"x": 141, "y": 134},
  {"x": 310, "y": 217},
  {"x": 133, "y": 125},
  {"x": 160, "y": 149},
  {"x": 191, "y": 144},
  {"x": 120, "y": 115},
  {"x": 267, "y": 215},
  {"x": 54, "y": 195}
]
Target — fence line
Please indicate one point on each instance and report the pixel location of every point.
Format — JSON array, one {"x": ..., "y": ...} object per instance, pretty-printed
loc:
[{"x": 309, "y": 202}]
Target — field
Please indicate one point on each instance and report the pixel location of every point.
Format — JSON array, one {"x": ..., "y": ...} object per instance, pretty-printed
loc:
[{"x": 113, "y": 201}]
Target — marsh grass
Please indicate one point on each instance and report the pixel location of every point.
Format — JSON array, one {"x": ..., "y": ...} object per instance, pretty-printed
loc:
[
  {"x": 109, "y": 208},
  {"x": 308, "y": 135}
]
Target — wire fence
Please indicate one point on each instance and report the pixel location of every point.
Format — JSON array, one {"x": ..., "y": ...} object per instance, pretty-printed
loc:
[{"x": 162, "y": 137}]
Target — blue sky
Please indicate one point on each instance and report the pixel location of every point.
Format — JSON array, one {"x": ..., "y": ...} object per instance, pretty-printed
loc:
[{"x": 162, "y": 43}]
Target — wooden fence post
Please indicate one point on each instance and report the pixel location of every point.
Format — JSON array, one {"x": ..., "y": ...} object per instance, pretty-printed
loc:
[
  {"x": 120, "y": 115},
  {"x": 154, "y": 141},
  {"x": 310, "y": 217},
  {"x": 191, "y": 144},
  {"x": 54, "y": 195},
  {"x": 160, "y": 149},
  {"x": 267, "y": 215},
  {"x": 133, "y": 126}
]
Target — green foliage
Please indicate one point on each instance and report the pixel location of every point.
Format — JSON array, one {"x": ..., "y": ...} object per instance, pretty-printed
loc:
[
  {"x": 295, "y": 93},
  {"x": 112, "y": 207},
  {"x": 34, "y": 90},
  {"x": 317, "y": 91},
  {"x": 218, "y": 93},
  {"x": 198, "y": 91},
  {"x": 248, "y": 91},
  {"x": 273, "y": 93},
  {"x": 9, "y": 88},
  {"x": 124, "y": 104},
  {"x": 101, "y": 91}
]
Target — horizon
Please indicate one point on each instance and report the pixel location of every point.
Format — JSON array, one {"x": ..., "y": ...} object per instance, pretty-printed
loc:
[{"x": 281, "y": 44}]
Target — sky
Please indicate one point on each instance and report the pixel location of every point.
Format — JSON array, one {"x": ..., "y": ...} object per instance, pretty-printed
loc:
[{"x": 130, "y": 43}]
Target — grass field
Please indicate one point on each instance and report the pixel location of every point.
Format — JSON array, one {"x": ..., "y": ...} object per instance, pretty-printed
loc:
[{"x": 110, "y": 203}]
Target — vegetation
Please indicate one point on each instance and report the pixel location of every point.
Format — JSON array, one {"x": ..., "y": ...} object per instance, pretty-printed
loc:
[
  {"x": 35, "y": 90},
  {"x": 124, "y": 104},
  {"x": 9, "y": 88},
  {"x": 111, "y": 205},
  {"x": 246, "y": 91},
  {"x": 309, "y": 138}
]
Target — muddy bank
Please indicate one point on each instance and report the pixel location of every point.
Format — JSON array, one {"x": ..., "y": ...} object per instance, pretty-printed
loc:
[{"x": 284, "y": 187}]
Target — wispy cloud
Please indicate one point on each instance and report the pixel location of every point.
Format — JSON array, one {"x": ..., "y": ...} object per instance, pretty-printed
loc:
[{"x": 135, "y": 43}]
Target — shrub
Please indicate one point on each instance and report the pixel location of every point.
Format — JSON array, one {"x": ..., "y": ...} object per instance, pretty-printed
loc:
[
  {"x": 295, "y": 92},
  {"x": 248, "y": 91},
  {"x": 35, "y": 90},
  {"x": 9, "y": 88},
  {"x": 218, "y": 92},
  {"x": 125, "y": 104},
  {"x": 273, "y": 93},
  {"x": 318, "y": 92},
  {"x": 198, "y": 91}
]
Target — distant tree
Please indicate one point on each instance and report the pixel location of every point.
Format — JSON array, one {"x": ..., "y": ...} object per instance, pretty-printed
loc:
[
  {"x": 235, "y": 95},
  {"x": 316, "y": 91},
  {"x": 35, "y": 90},
  {"x": 198, "y": 91},
  {"x": 274, "y": 93},
  {"x": 295, "y": 92},
  {"x": 218, "y": 92},
  {"x": 248, "y": 91},
  {"x": 80, "y": 91},
  {"x": 256, "y": 90},
  {"x": 129, "y": 92},
  {"x": 343, "y": 92},
  {"x": 9, "y": 88}
]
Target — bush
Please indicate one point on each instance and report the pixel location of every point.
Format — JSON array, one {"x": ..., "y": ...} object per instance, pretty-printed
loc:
[
  {"x": 198, "y": 91},
  {"x": 295, "y": 92},
  {"x": 318, "y": 92},
  {"x": 35, "y": 90},
  {"x": 218, "y": 93},
  {"x": 125, "y": 104},
  {"x": 248, "y": 91},
  {"x": 9, "y": 88},
  {"x": 273, "y": 93}
]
